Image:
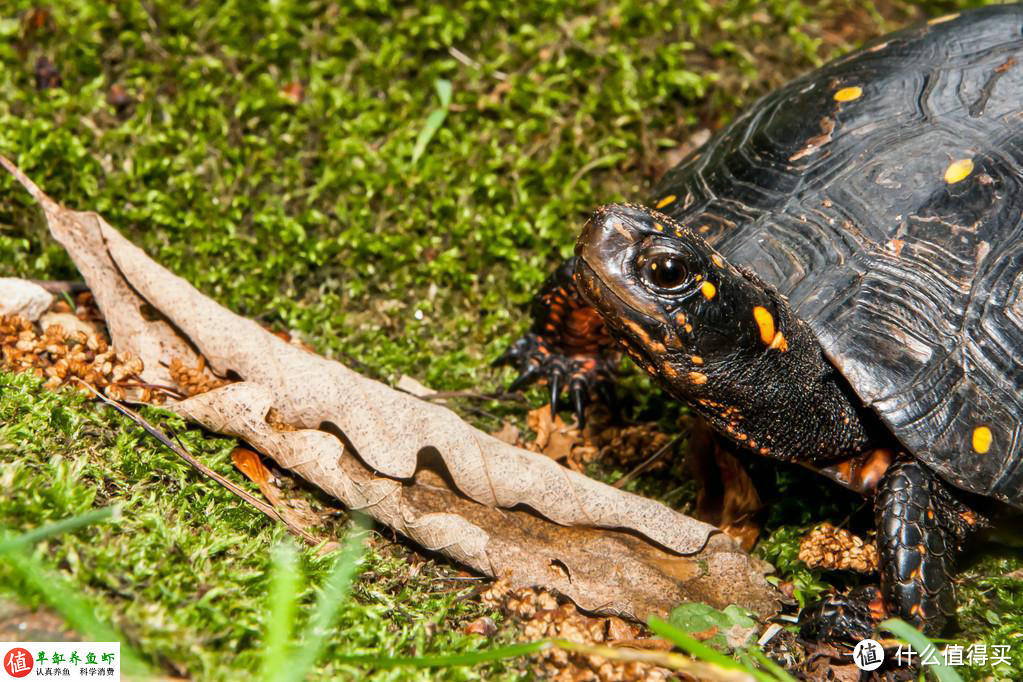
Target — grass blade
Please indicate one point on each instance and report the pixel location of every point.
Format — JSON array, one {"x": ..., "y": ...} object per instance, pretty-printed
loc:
[
  {"x": 770, "y": 666},
  {"x": 57, "y": 592},
  {"x": 10, "y": 542},
  {"x": 683, "y": 640},
  {"x": 919, "y": 642},
  {"x": 53, "y": 589},
  {"x": 510, "y": 651},
  {"x": 334, "y": 594},
  {"x": 687, "y": 643},
  {"x": 435, "y": 120},
  {"x": 284, "y": 593}
]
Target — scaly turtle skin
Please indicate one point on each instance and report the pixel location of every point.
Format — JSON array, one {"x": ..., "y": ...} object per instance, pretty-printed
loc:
[{"x": 836, "y": 279}]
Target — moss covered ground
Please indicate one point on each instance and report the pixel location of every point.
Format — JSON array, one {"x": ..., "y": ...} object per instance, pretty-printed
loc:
[{"x": 268, "y": 153}]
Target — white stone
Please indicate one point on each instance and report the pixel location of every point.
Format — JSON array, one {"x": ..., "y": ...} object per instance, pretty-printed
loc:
[{"x": 23, "y": 298}]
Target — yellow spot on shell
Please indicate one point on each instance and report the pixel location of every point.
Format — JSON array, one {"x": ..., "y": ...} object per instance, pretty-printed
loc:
[
  {"x": 958, "y": 170},
  {"x": 717, "y": 260},
  {"x": 709, "y": 290},
  {"x": 982, "y": 439},
  {"x": 698, "y": 378},
  {"x": 696, "y": 360},
  {"x": 659, "y": 227},
  {"x": 666, "y": 200},
  {"x": 765, "y": 321},
  {"x": 779, "y": 343},
  {"x": 848, "y": 94}
]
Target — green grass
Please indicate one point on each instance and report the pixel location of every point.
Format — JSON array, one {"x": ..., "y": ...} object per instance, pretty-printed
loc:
[{"x": 380, "y": 221}]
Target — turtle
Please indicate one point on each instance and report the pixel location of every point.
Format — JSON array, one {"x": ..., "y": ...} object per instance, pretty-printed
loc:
[{"x": 835, "y": 279}]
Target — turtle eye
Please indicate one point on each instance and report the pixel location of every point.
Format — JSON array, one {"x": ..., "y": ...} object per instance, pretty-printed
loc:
[{"x": 666, "y": 271}]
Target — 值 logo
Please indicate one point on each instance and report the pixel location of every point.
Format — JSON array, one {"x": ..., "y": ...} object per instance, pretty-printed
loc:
[
  {"x": 18, "y": 662},
  {"x": 868, "y": 654}
]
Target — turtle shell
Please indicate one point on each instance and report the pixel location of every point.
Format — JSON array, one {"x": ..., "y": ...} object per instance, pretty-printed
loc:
[{"x": 882, "y": 195}]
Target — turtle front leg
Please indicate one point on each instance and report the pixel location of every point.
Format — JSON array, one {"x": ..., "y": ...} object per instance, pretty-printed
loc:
[
  {"x": 921, "y": 528},
  {"x": 567, "y": 345}
]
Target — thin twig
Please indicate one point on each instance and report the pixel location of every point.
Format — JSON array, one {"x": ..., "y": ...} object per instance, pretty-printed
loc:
[
  {"x": 469, "y": 61},
  {"x": 156, "y": 433},
  {"x": 61, "y": 286},
  {"x": 474, "y": 395},
  {"x": 647, "y": 463},
  {"x": 173, "y": 392},
  {"x": 849, "y": 516}
]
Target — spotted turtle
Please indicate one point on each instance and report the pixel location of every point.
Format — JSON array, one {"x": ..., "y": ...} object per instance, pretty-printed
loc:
[{"x": 836, "y": 279}]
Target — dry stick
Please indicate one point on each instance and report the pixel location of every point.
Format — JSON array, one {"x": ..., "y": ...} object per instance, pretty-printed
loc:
[
  {"x": 61, "y": 286},
  {"x": 849, "y": 516},
  {"x": 647, "y": 463},
  {"x": 156, "y": 433},
  {"x": 475, "y": 395},
  {"x": 443, "y": 395},
  {"x": 172, "y": 392}
]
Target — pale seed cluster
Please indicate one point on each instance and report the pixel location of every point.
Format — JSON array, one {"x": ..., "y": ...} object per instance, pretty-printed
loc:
[
  {"x": 542, "y": 616},
  {"x": 837, "y": 549},
  {"x": 193, "y": 380},
  {"x": 63, "y": 358}
]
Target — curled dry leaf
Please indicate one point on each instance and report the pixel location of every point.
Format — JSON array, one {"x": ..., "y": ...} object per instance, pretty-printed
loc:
[
  {"x": 508, "y": 433},
  {"x": 297, "y": 512},
  {"x": 554, "y": 438},
  {"x": 413, "y": 465},
  {"x": 726, "y": 494}
]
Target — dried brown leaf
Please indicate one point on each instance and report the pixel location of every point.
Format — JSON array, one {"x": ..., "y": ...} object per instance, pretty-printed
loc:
[
  {"x": 508, "y": 433},
  {"x": 248, "y": 463},
  {"x": 726, "y": 494},
  {"x": 297, "y": 512},
  {"x": 413, "y": 465}
]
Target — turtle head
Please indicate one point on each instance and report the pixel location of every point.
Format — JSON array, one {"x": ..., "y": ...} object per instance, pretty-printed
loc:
[{"x": 677, "y": 307}]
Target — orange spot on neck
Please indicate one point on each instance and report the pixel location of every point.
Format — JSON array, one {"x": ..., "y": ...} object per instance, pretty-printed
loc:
[{"x": 765, "y": 322}]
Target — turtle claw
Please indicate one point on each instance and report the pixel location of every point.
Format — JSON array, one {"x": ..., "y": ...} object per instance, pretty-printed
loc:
[
  {"x": 514, "y": 353},
  {"x": 527, "y": 377},
  {"x": 844, "y": 619},
  {"x": 581, "y": 373},
  {"x": 580, "y": 396},
  {"x": 606, "y": 391},
  {"x": 555, "y": 379}
]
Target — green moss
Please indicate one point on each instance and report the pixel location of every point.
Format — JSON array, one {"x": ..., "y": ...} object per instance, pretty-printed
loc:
[
  {"x": 185, "y": 571},
  {"x": 312, "y": 216}
]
